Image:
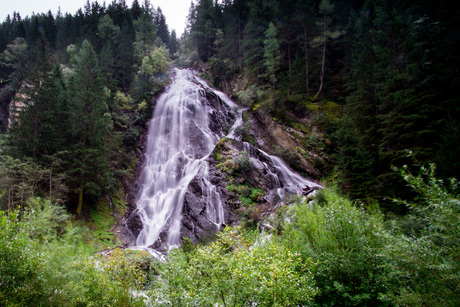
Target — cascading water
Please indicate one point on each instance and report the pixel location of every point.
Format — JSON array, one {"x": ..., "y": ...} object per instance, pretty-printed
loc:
[
  {"x": 183, "y": 132},
  {"x": 179, "y": 142},
  {"x": 284, "y": 180}
]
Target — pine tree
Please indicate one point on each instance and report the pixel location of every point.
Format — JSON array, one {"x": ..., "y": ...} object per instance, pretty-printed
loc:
[
  {"x": 204, "y": 29},
  {"x": 54, "y": 129},
  {"x": 253, "y": 47},
  {"x": 326, "y": 9},
  {"x": 163, "y": 31},
  {"x": 272, "y": 56},
  {"x": 173, "y": 45},
  {"x": 27, "y": 125},
  {"x": 89, "y": 123}
]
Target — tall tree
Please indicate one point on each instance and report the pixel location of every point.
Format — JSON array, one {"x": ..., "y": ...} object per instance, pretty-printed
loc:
[
  {"x": 204, "y": 29},
  {"x": 173, "y": 45},
  {"x": 253, "y": 46},
  {"x": 325, "y": 9},
  {"x": 272, "y": 56},
  {"x": 30, "y": 104},
  {"x": 90, "y": 122},
  {"x": 163, "y": 31},
  {"x": 306, "y": 18}
]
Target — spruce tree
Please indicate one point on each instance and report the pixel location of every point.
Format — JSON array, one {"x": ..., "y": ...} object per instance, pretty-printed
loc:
[
  {"x": 89, "y": 122},
  {"x": 272, "y": 56}
]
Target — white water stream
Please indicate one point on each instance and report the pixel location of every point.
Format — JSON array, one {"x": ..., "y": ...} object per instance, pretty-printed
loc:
[{"x": 179, "y": 142}]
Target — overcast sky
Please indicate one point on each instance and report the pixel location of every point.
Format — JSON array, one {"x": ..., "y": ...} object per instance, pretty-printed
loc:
[{"x": 176, "y": 11}]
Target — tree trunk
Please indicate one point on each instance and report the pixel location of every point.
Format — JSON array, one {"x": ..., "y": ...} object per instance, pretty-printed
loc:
[
  {"x": 290, "y": 69},
  {"x": 321, "y": 77},
  {"x": 51, "y": 182},
  {"x": 34, "y": 146},
  {"x": 306, "y": 61},
  {"x": 223, "y": 298},
  {"x": 9, "y": 198},
  {"x": 80, "y": 200},
  {"x": 240, "y": 57}
]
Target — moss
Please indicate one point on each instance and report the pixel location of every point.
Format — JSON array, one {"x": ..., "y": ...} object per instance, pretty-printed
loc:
[
  {"x": 332, "y": 110},
  {"x": 256, "y": 194},
  {"x": 246, "y": 201},
  {"x": 232, "y": 188},
  {"x": 313, "y": 107},
  {"x": 249, "y": 139},
  {"x": 222, "y": 143},
  {"x": 227, "y": 166},
  {"x": 299, "y": 127},
  {"x": 102, "y": 220}
]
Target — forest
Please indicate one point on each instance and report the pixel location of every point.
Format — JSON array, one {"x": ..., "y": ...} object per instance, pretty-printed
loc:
[{"x": 369, "y": 86}]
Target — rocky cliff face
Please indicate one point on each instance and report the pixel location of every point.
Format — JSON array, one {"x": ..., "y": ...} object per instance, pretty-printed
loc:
[
  {"x": 247, "y": 181},
  {"x": 269, "y": 135},
  {"x": 252, "y": 182}
]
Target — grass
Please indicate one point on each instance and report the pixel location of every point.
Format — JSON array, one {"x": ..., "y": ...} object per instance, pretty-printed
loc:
[{"x": 102, "y": 221}]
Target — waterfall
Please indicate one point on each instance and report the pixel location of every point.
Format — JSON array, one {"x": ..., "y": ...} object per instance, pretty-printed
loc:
[
  {"x": 188, "y": 121},
  {"x": 179, "y": 141},
  {"x": 285, "y": 180}
]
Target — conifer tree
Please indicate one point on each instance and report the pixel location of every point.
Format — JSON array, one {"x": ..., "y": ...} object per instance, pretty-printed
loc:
[
  {"x": 326, "y": 8},
  {"x": 89, "y": 123},
  {"x": 272, "y": 56},
  {"x": 253, "y": 48},
  {"x": 163, "y": 31},
  {"x": 30, "y": 103}
]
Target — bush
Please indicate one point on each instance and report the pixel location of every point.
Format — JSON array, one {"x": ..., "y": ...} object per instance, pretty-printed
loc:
[
  {"x": 346, "y": 242},
  {"x": 410, "y": 261},
  {"x": 243, "y": 162},
  {"x": 426, "y": 259},
  {"x": 44, "y": 262},
  {"x": 235, "y": 272},
  {"x": 20, "y": 272}
]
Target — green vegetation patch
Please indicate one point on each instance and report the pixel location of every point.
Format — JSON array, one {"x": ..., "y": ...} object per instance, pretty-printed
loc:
[
  {"x": 102, "y": 220},
  {"x": 248, "y": 195},
  {"x": 332, "y": 110}
]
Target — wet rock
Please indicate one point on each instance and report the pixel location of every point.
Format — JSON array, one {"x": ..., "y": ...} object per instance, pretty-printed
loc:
[
  {"x": 198, "y": 143},
  {"x": 195, "y": 222},
  {"x": 134, "y": 223},
  {"x": 160, "y": 245},
  {"x": 253, "y": 170},
  {"x": 307, "y": 190},
  {"x": 268, "y": 134}
]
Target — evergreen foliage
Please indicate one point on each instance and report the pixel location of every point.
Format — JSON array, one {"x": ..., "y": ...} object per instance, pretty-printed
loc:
[
  {"x": 89, "y": 125},
  {"x": 391, "y": 65},
  {"x": 69, "y": 95},
  {"x": 76, "y": 90}
]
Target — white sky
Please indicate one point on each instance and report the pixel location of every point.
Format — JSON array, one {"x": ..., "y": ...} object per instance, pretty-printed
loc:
[{"x": 176, "y": 11}]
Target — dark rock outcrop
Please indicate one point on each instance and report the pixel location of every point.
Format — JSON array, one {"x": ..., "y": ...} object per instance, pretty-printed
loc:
[{"x": 268, "y": 134}]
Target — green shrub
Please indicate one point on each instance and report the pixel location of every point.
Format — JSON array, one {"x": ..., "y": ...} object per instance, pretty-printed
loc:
[
  {"x": 256, "y": 194},
  {"x": 20, "y": 264},
  {"x": 44, "y": 262},
  {"x": 425, "y": 258},
  {"x": 409, "y": 261},
  {"x": 346, "y": 242},
  {"x": 243, "y": 162},
  {"x": 235, "y": 272}
]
